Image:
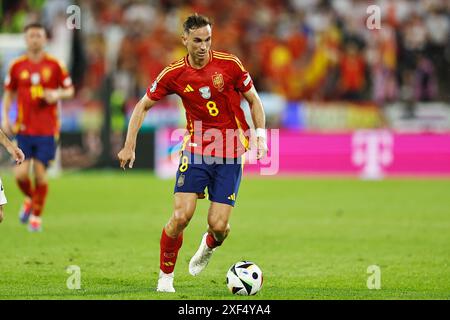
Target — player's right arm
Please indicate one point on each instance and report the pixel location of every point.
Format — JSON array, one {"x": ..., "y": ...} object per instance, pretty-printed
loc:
[
  {"x": 8, "y": 98},
  {"x": 160, "y": 88},
  {"x": 127, "y": 154}
]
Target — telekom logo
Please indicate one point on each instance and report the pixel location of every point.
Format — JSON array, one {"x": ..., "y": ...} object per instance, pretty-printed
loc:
[{"x": 373, "y": 150}]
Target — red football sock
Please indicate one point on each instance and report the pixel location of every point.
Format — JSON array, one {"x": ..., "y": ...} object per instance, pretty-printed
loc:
[
  {"x": 25, "y": 186},
  {"x": 211, "y": 241},
  {"x": 169, "y": 251},
  {"x": 39, "y": 196}
]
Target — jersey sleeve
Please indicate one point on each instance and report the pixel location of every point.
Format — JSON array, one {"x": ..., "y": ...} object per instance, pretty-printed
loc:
[
  {"x": 160, "y": 87},
  {"x": 64, "y": 79},
  {"x": 11, "y": 79},
  {"x": 243, "y": 80}
]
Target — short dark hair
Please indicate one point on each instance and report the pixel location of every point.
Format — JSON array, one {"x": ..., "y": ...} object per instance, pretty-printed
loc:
[
  {"x": 195, "y": 21},
  {"x": 34, "y": 25}
]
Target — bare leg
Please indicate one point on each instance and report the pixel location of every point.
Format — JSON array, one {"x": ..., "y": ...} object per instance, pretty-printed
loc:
[
  {"x": 22, "y": 174},
  {"x": 218, "y": 217},
  {"x": 40, "y": 172},
  {"x": 172, "y": 238},
  {"x": 41, "y": 187},
  {"x": 184, "y": 208}
]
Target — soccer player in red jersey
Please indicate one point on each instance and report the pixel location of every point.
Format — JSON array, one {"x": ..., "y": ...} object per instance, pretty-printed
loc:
[
  {"x": 210, "y": 84},
  {"x": 39, "y": 81},
  {"x": 18, "y": 156}
]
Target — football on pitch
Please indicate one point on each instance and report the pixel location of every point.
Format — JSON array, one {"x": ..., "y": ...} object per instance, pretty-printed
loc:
[{"x": 244, "y": 278}]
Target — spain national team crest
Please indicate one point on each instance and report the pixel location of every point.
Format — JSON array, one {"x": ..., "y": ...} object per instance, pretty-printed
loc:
[
  {"x": 180, "y": 181},
  {"x": 205, "y": 92},
  {"x": 46, "y": 74},
  {"x": 218, "y": 82},
  {"x": 24, "y": 75}
]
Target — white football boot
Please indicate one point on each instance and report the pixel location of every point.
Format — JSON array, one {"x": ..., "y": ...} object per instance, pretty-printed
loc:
[
  {"x": 165, "y": 282},
  {"x": 201, "y": 258}
]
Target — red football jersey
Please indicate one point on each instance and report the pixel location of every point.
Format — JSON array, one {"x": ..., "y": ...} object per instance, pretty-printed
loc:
[
  {"x": 34, "y": 115},
  {"x": 211, "y": 98}
]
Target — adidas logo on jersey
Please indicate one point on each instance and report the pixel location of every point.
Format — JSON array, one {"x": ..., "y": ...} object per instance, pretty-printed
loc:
[{"x": 188, "y": 88}]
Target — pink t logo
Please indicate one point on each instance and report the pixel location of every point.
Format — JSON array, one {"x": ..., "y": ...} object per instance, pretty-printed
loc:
[{"x": 372, "y": 149}]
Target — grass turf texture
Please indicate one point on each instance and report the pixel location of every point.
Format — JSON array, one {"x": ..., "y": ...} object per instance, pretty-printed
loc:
[{"x": 313, "y": 239}]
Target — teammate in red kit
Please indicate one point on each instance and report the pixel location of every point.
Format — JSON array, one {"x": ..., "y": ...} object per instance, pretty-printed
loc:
[
  {"x": 39, "y": 81},
  {"x": 210, "y": 84}
]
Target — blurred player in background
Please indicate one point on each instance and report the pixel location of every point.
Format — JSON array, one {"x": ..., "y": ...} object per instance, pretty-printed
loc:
[
  {"x": 39, "y": 81},
  {"x": 18, "y": 156},
  {"x": 209, "y": 84}
]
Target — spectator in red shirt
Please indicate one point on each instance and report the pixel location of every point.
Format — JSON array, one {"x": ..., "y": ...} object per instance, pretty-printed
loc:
[{"x": 352, "y": 68}]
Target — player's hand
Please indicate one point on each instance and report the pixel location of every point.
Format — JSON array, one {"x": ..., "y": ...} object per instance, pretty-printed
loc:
[
  {"x": 51, "y": 96},
  {"x": 17, "y": 154},
  {"x": 262, "y": 148},
  {"x": 125, "y": 155}
]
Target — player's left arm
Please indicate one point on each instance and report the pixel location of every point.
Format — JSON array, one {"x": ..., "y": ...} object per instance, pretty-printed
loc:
[
  {"x": 54, "y": 95},
  {"x": 259, "y": 120}
]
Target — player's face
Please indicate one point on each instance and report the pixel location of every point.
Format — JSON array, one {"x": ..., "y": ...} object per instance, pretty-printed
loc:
[
  {"x": 198, "y": 42},
  {"x": 35, "y": 39}
]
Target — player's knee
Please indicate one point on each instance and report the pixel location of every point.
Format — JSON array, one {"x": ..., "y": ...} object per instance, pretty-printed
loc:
[
  {"x": 1, "y": 214},
  {"x": 220, "y": 228},
  {"x": 181, "y": 218},
  {"x": 40, "y": 180},
  {"x": 21, "y": 176}
]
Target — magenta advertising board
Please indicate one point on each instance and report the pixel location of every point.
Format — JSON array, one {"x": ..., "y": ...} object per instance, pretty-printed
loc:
[
  {"x": 365, "y": 153},
  {"x": 370, "y": 154}
]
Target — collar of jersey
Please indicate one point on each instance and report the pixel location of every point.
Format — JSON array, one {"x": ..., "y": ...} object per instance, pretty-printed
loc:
[{"x": 189, "y": 65}]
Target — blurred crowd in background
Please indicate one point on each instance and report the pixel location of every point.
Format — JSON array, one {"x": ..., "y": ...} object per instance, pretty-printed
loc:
[{"x": 300, "y": 50}]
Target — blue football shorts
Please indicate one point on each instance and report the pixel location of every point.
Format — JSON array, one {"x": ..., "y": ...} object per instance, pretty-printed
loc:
[
  {"x": 42, "y": 148},
  {"x": 222, "y": 177}
]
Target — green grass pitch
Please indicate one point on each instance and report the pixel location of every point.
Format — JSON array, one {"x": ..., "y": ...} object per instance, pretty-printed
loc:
[{"x": 313, "y": 239}]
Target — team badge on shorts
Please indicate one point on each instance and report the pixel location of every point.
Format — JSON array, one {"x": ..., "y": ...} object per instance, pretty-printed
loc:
[
  {"x": 180, "y": 181},
  {"x": 218, "y": 82},
  {"x": 205, "y": 92}
]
